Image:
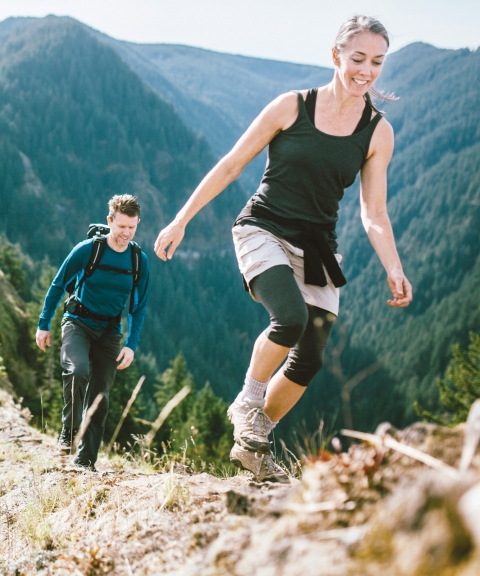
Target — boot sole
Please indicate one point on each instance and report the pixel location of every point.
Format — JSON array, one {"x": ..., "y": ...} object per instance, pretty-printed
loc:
[
  {"x": 253, "y": 446},
  {"x": 238, "y": 463}
]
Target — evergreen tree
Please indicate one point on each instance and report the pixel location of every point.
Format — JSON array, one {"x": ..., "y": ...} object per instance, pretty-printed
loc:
[
  {"x": 122, "y": 388},
  {"x": 463, "y": 388},
  {"x": 199, "y": 426},
  {"x": 47, "y": 402},
  {"x": 11, "y": 265},
  {"x": 210, "y": 427},
  {"x": 175, "y": 429}
]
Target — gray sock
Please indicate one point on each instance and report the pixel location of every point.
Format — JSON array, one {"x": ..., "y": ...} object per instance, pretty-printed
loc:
[
  {"x": 253, "y": 389},
  {"x": 269, "y": 424}
]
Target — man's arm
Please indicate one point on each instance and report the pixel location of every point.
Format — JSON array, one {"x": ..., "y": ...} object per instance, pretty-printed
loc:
[
  {"x": 71, "y": 267},
  {"x": 137, "y": 318}
]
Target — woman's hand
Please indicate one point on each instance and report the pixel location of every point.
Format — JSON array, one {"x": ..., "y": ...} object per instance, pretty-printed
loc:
[
  {"x": 168, "y": 240},
  {"x": 401, "y": 289}
]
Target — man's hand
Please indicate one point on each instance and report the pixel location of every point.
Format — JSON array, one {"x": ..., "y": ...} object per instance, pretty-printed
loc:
[
  {"x": 126, "y": 357},
  {"x": 43, "y": 339},
  {"x": 401, "y": 290},
  {"x": 168, "y": 240}
]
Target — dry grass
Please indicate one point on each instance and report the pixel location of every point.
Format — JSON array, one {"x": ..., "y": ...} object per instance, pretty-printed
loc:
[{"x": 146, "y": 514}]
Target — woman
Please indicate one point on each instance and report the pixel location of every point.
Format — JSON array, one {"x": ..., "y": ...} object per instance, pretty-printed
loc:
[{"x": 285, "y": 237}]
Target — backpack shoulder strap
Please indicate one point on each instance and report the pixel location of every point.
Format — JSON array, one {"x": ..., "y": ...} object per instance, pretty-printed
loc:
[
  {"x": 98, "y": 248},
  {"x": 136, "y": 252},
  {"x": 136, "y": 262}
]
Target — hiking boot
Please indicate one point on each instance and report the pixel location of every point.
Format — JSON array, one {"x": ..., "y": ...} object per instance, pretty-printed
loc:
[
  {"x": 82, "y": 467},
  {"x": 262, "y": 465},
  {"x": 249, "y": 421},
  {"x": 67, "y": 435}
]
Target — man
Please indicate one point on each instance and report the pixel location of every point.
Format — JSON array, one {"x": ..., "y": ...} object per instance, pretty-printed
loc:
[{"x": 91, "y": 325}]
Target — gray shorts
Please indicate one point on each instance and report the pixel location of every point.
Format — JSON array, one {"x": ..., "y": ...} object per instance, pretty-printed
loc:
[{"x": 258, "y": 250}]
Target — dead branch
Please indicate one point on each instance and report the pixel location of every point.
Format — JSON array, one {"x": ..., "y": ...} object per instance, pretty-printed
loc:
[
  {"x": 133, "y": 397},
  {"x": 472, "y": 436},
  {"x": 169, "y": 406},
  {"x": 86, "y": 421},
  {"x": 389, "y": 442}
]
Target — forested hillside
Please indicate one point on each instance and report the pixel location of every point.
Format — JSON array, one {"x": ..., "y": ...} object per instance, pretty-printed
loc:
[
  {"x": 83, "y": 116},
  {"x": 218, "y": 95},
  {"x": 77, "y": 126},
  {"x": 434, "y": 191}
]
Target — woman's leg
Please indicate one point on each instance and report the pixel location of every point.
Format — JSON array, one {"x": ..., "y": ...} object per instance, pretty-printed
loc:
[
  {"x": 304, "y": 361},
  {"x": 278, "y": 291}
]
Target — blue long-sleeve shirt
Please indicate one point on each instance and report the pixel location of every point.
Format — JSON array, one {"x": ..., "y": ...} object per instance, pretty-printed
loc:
[{"x": 105, "y": 292}]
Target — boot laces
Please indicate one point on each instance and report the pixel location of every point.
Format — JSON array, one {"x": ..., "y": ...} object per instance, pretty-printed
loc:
[
  {"x": 270, "y": 464},
  {"x": 268, "y": 461},
  {"x": 256, "y": 417}
]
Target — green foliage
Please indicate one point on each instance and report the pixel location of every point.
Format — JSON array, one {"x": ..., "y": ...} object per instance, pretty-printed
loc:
[
  {"x": 11, "y": 264},
  {"x": 46, "y": 400},
  {"x": 125, "y": 382},
  {"x": 199, "y": 426},
  {"x": 212, "y": 432},
  {"x": 17, "y": 372},
  {"x": 463, "y": 386},
  {"x": 175, "y": 429}
]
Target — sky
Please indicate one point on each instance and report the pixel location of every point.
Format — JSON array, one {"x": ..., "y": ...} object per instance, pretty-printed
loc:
[{"x": 291, "y": 30}]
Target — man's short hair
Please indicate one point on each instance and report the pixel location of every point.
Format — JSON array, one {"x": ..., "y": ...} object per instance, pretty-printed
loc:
[{"x": 124, "y": 204}]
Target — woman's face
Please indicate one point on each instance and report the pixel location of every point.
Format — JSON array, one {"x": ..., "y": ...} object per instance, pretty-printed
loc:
[{"x": 359, "y": 64}]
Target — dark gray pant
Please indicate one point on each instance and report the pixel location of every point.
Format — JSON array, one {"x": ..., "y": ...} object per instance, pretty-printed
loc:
[{"x": 89, "y": 368}]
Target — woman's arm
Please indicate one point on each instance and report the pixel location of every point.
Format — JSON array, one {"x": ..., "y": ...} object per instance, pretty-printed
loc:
[
  {"x": 277, "y": 116},
  {"x": 373, "y": 201}
]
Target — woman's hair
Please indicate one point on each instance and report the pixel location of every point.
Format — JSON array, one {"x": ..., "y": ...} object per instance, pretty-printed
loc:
[{"x": 356, "y": 25}]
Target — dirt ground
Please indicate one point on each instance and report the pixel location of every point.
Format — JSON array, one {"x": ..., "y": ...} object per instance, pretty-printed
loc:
[{"x": 370, "y": 511}]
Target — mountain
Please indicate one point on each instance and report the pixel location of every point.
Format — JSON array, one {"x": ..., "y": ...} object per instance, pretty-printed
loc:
[
  {"x": 84, "y": 116},
  {"x": 77, "y": 126},
  {"x": 218, "y": 95}
]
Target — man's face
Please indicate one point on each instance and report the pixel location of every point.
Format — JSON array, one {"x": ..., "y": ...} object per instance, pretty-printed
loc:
[{"x": 122, "y": 230}]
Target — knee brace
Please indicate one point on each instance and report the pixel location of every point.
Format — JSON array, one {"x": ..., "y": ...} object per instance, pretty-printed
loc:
[
  {"x": 287, "y": 329},
  {"x": 302, "y": 372}
]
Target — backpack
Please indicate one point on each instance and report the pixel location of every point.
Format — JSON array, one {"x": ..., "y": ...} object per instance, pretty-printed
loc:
[{"x": 99, "y": 234}]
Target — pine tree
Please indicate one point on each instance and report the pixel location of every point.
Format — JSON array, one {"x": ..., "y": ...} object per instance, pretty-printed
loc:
[
  {"x": 463, "y": 385},
  {"x": 198, "y": 426},
  {"x": 175, "y": 429},
  {"x": 48, "y": 402},
  {"x": 212, "y": 431},
  {"x": 122, "y": 388},
  {"x": 11, "y": 265}
]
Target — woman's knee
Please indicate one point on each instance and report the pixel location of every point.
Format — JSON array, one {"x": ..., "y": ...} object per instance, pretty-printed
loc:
[
  {"x": 302, "y": 372},
  {"x": 278, "y": 291},
  {"x": 287, "y": 329}
]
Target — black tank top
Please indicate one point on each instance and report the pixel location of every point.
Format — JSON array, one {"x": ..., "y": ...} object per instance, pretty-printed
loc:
[{"x": 306, "y": 174}]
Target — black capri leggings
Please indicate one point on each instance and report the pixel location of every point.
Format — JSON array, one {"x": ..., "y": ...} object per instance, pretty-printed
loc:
[{"x": 293, "y": 323}]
